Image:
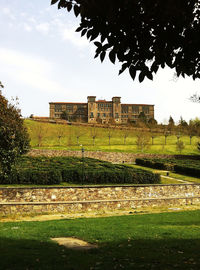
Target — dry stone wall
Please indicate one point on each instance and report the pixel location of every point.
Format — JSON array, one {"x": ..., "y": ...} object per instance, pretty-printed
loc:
[
  {"x": 114, "y": 157},
  {"x": 95, "y": 198}
]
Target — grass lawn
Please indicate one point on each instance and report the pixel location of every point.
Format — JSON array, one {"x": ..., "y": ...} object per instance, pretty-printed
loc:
[
  {"x": 165, "y": 180},
  {"x": 70, "y": 137},
  {"x": 152, "y": 241}
]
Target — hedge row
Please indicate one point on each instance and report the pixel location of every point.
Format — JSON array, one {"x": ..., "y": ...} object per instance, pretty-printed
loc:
[
  {"x": 154, "y": 164},
  {"x": 27, "y": 176},
  {"x": 187, "y": 170},
  {"x": 187, "y": 167},
  {"x": 106, "y": 176},
  {"x": 47, "y": 171}
]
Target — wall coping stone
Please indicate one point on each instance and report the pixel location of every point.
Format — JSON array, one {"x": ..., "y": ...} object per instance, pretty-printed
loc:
[{"x": 102, "y": 186}]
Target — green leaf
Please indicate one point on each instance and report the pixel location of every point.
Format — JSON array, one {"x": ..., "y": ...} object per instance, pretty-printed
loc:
[
  {"x": 97, "y": 43},
  {"x": 124, "y": 66},
  {"x": 149, "y": 75},
  {"x": 76, "y": 10},
  {"x": 54, "y": 1},
  {"x": 69, "y": 6},
  {"x": 154, "y": 67},
  {"x": 83, "y": 32},
  {"x": 89, "y": 33},
  {"x": 79, "y": 29},
  {"x": 102, "y": 38},
  {"x": 102, "y": 56},
  {"x": 132, "y": 72},
  {"x": 94, "y": 35},
  {"x": 112, "y": 56},
  {"x": 141, "y": 76}
]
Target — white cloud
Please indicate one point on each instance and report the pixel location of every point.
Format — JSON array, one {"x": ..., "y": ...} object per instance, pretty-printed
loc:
[
  {"x": 32, "y": 20},
  {"x": 43, "y": 28},
  {"x": 27, "y": 27},
  {"x": 29, "y": 70},
  {"x": 21, "y": 60},
  {"x": 6, "y": 11},
  {"x": 69, "y": 34}
]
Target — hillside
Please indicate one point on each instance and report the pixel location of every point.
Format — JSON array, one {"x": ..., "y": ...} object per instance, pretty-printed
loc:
[{"x": 70, "y": 137}]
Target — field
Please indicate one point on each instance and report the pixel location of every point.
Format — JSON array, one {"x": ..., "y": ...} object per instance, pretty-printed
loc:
[
  {"x": 71, "y": 137},
  {"x": 151, "y": 241}
]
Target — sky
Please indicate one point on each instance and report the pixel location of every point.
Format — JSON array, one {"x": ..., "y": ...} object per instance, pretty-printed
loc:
[{"x": 43, "y": 59}]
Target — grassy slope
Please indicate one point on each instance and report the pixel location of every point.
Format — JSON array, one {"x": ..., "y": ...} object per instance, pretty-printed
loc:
[
  {"x": 152, "y": 241},
  {"x": 69, "y": 141}
]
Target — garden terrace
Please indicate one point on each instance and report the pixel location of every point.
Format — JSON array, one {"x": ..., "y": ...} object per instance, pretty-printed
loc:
[{"x": 81, "y": 199}]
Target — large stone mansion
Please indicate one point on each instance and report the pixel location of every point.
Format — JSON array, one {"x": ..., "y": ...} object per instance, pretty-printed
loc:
[{"x": 100, "y": 111}]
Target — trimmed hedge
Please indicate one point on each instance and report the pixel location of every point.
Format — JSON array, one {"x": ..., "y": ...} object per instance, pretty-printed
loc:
[
  {"x": 47, "y": 171},
  {"x": 187, "y": 170},
  {"x": 29, "y": 176},
  {"x": 185, "y": 166},
  {"x": 106, "y": 176},
  {"x": 153, "y": 163}
]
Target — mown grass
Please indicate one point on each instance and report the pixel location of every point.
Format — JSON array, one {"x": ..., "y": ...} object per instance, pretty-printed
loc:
[
  {"x": 151, "y": 241},
  {"x": 165, "y": 180},
  {"x": 64, "y": 137}
]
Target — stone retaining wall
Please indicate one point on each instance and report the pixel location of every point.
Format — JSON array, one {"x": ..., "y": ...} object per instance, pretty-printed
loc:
[
  {"x": 95, "y": 198},
  {"x": 114, "y": 157}
]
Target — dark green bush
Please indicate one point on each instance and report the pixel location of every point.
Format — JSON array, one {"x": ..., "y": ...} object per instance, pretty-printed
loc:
[
  {"x": 47, "y": 171},
  {"x": 182, "y": 166},
  {"x": 187, "y": 170},
  {"x": 29, "y": 176}
]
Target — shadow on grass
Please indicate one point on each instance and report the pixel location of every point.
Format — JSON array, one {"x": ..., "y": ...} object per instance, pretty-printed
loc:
[{"x": 128, "y": 254}]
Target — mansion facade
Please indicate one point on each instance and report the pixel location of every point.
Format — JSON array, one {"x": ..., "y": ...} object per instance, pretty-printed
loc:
[{"x": 100, "y": 111}]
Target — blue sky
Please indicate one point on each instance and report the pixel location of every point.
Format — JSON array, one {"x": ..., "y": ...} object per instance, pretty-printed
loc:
[{"x": 43, "y": 60}]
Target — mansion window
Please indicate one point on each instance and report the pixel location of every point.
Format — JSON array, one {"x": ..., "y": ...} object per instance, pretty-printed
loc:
[
  {"x": 135, "y": 109},
  {"x": 91, "y": 115},
  {"x": 58, "y": 108},
  {"x": 69, "y": 108},
  {"x": 145, "y": 109},
  {"x": 124, "y": 109}
]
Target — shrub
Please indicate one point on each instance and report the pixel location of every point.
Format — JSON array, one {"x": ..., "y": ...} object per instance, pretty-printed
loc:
[
  {"x": 185, "y": 166},
  {"x": 43, "y": 170},
  {"x": 187, "y": 170},
  {"x": 28, "y": 176}
]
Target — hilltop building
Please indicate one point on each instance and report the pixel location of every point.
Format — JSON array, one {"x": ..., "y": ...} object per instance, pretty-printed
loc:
[{"x": 100, "y": 111}]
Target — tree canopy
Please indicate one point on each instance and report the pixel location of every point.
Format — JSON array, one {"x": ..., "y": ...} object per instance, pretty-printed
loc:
[
  {"x": 143, "y": 35},
  {"x": 195, "y": 98},
  {"x": 14, "y": 139}
]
